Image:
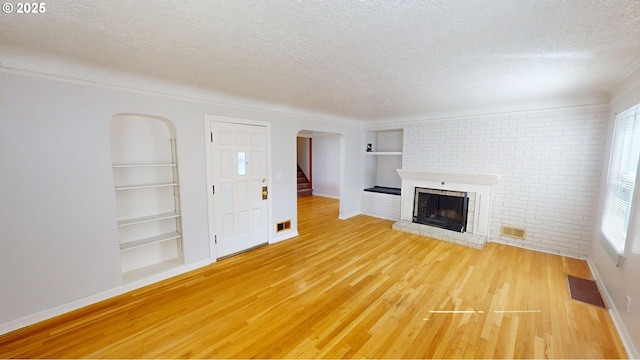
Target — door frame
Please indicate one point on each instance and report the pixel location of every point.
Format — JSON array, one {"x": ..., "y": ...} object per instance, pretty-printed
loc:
[{"x": 208, "y": 118}]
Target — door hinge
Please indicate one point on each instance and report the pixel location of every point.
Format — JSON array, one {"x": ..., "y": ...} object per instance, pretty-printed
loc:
[
  {"x": 215, "y": 239},
  {"x": 212, "y": 136},
  {"x": 213, "y": 189}
]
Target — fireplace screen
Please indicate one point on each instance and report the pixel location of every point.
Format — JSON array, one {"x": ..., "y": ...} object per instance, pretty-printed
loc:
[{"x": 441, "y": 208}]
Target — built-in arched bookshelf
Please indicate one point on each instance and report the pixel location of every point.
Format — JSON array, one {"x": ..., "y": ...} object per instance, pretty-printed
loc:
[{"x": 145, "y": 174}]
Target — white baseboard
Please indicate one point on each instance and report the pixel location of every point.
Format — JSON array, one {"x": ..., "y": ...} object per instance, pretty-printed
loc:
[
  {"x": 92, "y": 299},
  {"x": 327, "y": 196},
  {"x": 345, "y": 217},
  {"x": 632, "y": 352},
  {"x": 552, "y": 252},
  {"x": 282, "y": 237}
]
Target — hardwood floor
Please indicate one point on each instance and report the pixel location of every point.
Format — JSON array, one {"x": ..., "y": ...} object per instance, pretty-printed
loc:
[{"x": 342, "y": 289}]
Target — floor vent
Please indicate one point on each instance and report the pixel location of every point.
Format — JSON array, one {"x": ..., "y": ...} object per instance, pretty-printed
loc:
[
  {"x": 284, "y": 225},
  {"x": 513, "y": 232},
  {"x": 585, "y": 290}
]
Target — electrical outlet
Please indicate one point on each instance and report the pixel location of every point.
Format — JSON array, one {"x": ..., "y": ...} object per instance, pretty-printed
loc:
[{"x": 628, "y": 304}]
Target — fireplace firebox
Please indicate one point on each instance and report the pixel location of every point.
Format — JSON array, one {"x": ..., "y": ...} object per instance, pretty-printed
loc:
[{"x": 441, "y": 208}]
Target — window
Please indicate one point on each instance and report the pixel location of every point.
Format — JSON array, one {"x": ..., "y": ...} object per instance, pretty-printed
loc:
[
  {"x": 242, "y": 164},
  {"x": 621, "y": 180}
]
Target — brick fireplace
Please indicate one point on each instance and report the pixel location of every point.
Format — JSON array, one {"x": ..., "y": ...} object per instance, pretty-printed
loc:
[{"x": 477, "y": 188}]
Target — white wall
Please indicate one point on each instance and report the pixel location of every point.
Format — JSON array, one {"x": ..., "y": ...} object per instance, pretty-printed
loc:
[
  {"x": 57, "y": 206},
  {"x": 327, "y": 165},
  {"x": 549, "y": 162},
  {"x": 303, "y": 155},
  {"x": 622, "y": 281}
]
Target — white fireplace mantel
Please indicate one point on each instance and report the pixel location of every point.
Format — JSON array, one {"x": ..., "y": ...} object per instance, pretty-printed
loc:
[
  {"x": 454, "y": 177},
  {"x": 479, "y": 183}
]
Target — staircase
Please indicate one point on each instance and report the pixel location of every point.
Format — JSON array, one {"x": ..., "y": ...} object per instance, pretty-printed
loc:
[{"x": 304, "y": 187}]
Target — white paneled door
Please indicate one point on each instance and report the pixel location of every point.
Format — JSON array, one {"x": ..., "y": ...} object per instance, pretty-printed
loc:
[{"x": 240, "y": 186}]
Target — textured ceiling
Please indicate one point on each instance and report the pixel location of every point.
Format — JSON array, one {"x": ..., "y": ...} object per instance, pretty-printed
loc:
[{"x": 364, "y": 60}]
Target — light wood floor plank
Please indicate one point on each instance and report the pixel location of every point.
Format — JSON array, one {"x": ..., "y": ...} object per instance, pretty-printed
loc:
[{"x": 342, "y": 289}]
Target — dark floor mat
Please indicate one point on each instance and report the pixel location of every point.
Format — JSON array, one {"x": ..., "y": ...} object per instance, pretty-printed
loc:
[{"x": 585, "y": 290}]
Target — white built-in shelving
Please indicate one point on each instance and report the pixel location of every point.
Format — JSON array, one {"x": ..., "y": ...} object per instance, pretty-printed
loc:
[
  {"x": 144, "y": 219},
  {"x": 383, "y": 155},
  {"x": 150, "y": 240},
  {"x": 146, "y": 185}
]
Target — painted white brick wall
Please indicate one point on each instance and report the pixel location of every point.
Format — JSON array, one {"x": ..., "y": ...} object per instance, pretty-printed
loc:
[
  {"x": 382, "y": 206},
  {"x": 549, "y": 161}
]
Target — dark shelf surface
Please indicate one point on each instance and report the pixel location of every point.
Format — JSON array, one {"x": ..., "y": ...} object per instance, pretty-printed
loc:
[{"x": 384, "y": 190}]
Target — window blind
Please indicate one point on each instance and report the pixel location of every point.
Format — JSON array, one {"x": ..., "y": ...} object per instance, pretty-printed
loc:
[{"x": 621, "y": 180}]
